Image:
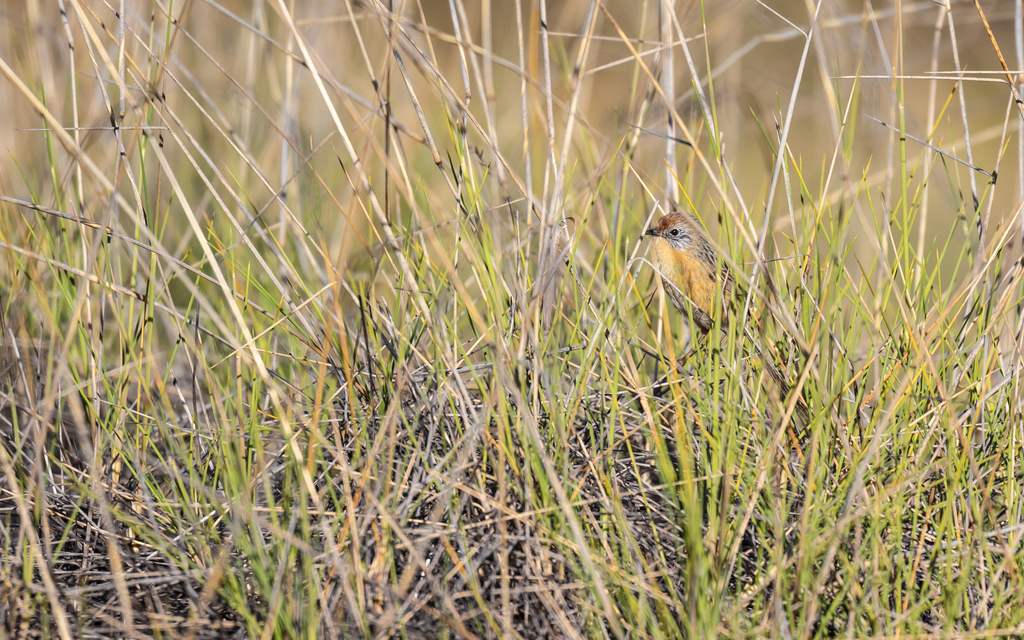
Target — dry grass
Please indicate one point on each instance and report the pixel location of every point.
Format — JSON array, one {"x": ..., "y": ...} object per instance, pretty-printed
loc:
[{"x": 333, "y": 320}]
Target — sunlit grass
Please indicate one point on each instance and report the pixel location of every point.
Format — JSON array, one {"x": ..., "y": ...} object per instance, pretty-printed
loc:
[{"x": 342, "y": 387}]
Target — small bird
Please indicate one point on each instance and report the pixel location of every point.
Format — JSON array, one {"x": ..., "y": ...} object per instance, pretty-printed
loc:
[
  {"x": 688, "y": 264},
  {"x": 685, "y": 258}
]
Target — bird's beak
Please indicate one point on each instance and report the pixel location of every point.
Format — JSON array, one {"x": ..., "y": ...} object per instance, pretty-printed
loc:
[{"x": 653, "y": 232}]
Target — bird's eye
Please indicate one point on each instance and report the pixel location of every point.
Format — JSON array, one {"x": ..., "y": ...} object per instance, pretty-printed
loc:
[{"x": 674, "y": 232}]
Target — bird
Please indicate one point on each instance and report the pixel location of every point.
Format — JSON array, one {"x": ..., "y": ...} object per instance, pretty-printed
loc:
[
  {"x": 690, "y": 273},
  {"x": 684, "y": 256}
]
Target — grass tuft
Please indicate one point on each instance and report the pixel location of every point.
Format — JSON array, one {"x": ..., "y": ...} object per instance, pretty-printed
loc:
[{"x": 337, "y": 321}]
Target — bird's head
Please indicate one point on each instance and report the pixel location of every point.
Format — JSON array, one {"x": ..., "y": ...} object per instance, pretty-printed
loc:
[{"x": 676, "y": 229}]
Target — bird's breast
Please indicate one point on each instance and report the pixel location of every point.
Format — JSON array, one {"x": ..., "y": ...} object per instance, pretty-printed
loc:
[{"x": 691, "y": 282}]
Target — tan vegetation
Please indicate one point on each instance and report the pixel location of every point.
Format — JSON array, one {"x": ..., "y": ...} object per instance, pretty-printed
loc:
[{"x": 334, "y": 319}]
